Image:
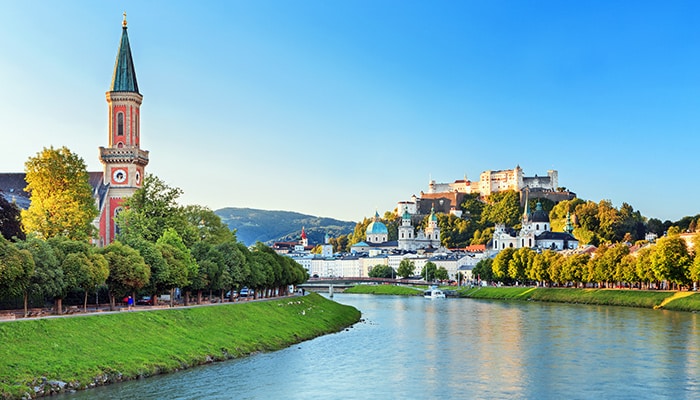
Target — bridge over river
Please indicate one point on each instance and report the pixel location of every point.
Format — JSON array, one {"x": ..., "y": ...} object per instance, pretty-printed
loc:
[{"x": 339, "y": 284}]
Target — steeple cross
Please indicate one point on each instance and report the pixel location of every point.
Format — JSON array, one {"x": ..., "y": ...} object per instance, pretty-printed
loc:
[{"x": 124, "y": 22}]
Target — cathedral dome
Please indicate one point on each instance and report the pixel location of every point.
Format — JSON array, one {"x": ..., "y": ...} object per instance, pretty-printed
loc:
[
  {"x": 376, "y": 227},
  {"x": 539, "y": 215}
]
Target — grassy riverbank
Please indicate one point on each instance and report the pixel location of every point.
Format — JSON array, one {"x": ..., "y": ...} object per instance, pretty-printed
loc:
[
  {"x": 99, "y": 349},
  {"x": 611, "y": 297},
  {"x": 385, "y": 289},
  {"x": 677, "y": 301}
]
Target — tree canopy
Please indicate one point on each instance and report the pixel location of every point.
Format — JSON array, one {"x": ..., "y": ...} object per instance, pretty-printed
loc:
[{"x": 61, "y": 196}]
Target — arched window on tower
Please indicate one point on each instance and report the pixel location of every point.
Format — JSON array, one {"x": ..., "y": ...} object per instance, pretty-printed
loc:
[
  {"x": 120, "y": 124},
  {"x": 136, "y": 127}
]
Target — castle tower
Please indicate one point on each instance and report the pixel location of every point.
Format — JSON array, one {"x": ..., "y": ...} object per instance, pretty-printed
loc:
[{"x": 123, "y": 160}]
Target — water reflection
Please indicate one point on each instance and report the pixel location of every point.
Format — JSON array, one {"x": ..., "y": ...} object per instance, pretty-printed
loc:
[{"x": 413, "y": 347}]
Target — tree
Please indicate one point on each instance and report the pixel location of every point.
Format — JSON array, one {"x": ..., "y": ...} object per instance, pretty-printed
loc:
[
  {"x": 520, "y": 263},
  {"x": 181, "y": 265},
  {"x": 502, "y": 208},
  {"x": 10, "y": 223},
  {"x": 428, "y": 271},
  {"x": 151, "y": 210},
  {"x": 441, "y": 274},
  {"x": 209, "y": 226},
  {"x": 643, "y": 267},
  {"x": 483, "y": 270},
  {"x": 128, "y": 271},
  {"x": 500, "y": 263},
  {"x": 159, "y": 281},
  {"x": 47, "y": 281},
  {"x": 406, "y": 268},
  {"x": 670, "y": 260},
  {"x": 381, "y": 271},
  {"x": 61, "y": 196},
  {"x": 16, "y": 270}
]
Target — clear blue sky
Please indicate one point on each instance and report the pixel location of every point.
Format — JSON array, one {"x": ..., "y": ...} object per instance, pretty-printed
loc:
[{"x": 341, "y": 108}]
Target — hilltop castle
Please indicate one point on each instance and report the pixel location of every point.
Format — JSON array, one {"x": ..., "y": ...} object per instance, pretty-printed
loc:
[{"x": 447, "y": 197}]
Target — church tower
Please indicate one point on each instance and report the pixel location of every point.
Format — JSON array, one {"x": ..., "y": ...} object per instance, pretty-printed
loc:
[{"x": 124, "y": 161}]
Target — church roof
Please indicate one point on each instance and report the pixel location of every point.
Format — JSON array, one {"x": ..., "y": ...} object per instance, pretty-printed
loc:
[
  {"x": 539, "y": 215},
  {"x": 549, "y": 235},
  {"x": 124, "y": 78}
]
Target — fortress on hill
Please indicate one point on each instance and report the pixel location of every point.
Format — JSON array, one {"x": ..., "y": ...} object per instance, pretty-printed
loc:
[{"x": 446, "y": 197}]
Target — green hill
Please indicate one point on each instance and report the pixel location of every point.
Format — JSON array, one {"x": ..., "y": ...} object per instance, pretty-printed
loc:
[{"x": 266, "y": 226}]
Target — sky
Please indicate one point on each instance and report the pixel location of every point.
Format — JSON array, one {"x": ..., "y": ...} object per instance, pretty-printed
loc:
[{"x": 343, "y": 108}]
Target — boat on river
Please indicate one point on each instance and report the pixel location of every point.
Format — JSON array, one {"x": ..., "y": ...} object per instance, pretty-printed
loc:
[{"x": 434, "y": 293}]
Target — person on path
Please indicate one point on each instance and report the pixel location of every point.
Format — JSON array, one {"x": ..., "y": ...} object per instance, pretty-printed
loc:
[{"x": 130, "y": 302}]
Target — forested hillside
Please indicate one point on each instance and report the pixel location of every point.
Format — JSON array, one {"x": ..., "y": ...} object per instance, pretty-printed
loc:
[{"x": 254, "y": 225}]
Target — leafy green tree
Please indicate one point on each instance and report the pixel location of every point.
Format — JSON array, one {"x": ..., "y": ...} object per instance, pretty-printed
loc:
[
  {"x": 575, "y": 268},
  {"x": 454, "y": 231},
  {"x": 472, "y": 207},
  {"x": 260, "y": 271},
  {"x": 643, "y": 267},
  {"x": 209, "y": 226},
  {"x": 626, "y": 271},
  {"x": 502, "y": 207},
  {"x": 10, "y": 222},
  {"x": 654, "y": 225},
  {"x": 603, "y": 265},
  {"x": 482, "y": 236},
  {"x": 392, "y": 221},
  {"x": 160, "y": 279},
  {"x": 381, "y": 271},
  {"x": 406, "y": 268},
  {"x": 151, "y": 210},
  {"x": 500, "y": 263},
  {"x": 16, "y": 270},
  {"x": 47, "y": 280},
  {"x": 128, "y": 271},
  {"x": 441, "y": 274},
  {"x": 181, "y": 265},
  {"x": 61, "y": 196},
  {"x": 483, "y": 270},
  {"x": 670, "y": 260},
  {"x": 428, "y": 271},
  {"x": 520, "y": 263},
  {"x": 340, "y": 243}
]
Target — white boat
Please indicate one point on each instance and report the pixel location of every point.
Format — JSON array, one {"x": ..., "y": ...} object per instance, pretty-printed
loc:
[{"x": 434, "y": 293}]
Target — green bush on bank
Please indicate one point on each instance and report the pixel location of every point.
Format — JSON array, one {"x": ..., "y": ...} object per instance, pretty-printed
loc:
[{"x": 136, "y": 344}]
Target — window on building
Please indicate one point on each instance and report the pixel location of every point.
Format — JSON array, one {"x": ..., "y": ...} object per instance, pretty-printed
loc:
[{"x": 120, "y": 124}]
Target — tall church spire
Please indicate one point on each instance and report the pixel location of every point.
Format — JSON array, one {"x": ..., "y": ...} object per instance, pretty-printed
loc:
[
  {"x": 123, "y": 159},
  {"x": 124, "y": 77}
]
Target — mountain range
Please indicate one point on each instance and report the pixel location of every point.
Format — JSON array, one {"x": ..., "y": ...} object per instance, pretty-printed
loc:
[{"x": 253, "y": 225}]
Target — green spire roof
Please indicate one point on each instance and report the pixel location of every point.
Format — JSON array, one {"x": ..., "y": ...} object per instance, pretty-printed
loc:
[{"x": 124, "y": 78}]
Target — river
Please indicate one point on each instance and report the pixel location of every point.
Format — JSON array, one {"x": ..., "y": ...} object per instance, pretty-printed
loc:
[{"x": 410, "y": 347}]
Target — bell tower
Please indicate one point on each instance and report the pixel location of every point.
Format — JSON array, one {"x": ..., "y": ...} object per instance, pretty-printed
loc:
[{"x": 123, "y": 160}]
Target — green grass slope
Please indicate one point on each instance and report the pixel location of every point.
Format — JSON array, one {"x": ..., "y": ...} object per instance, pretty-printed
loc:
[{"x": 128, "y": 345}]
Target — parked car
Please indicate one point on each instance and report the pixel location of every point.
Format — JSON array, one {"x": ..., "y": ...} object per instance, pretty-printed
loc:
[
  {"x": 245, "y": 292},
  {"x": 145, "y": 301}
]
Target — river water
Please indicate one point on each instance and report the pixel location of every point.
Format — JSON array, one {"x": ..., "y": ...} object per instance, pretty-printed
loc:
[{"x": 410, "y": 347}]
